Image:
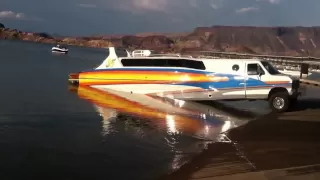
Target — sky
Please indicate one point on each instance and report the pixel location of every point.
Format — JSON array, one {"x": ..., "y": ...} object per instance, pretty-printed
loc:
[{"x": 99, "y": 17}]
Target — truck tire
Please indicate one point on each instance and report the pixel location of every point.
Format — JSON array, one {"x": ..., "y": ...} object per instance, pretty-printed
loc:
[{"x": 279, "y": 102}]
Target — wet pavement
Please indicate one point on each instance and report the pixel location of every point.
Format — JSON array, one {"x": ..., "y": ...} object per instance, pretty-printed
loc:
[{"x": 272, "y": 146}]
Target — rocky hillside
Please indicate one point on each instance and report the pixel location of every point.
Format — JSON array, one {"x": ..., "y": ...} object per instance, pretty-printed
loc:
[
  {"x": 292, "y": 41},
  {"x": 262, "y": 40}
]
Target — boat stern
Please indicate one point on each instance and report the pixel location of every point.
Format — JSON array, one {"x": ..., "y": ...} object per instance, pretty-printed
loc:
[{"x": 73, "y": 79}]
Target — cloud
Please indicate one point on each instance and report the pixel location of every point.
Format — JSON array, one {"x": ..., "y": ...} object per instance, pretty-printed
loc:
[
  {"x": 142, "y": 5},
  {"x": 271, "y": 1},
  {"x": 216, "y": 4},
  {"x": 12, "y": 15},
  {"x": 247, "y": 9},
  {"x": 87, "y": 5},
  {"x": 274, "y": 1},
  {"x": 162, "y": 6},
  {"x": 17, "y": 16}
]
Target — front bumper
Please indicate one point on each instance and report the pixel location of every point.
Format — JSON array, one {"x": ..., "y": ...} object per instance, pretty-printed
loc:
[{"x": 297, "y": 89}]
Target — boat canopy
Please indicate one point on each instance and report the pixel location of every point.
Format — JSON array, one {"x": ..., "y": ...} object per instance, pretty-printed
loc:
[{"x": 61, "y": 46}]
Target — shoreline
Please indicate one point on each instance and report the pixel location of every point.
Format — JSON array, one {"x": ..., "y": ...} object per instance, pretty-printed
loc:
[
  {"x": 213, "y": 39},
  {"x": 272, "y": 142},
  {"x": 250, "y": 56}
]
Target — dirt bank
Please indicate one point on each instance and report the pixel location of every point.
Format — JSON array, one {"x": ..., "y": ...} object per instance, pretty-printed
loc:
[{"x": 268, "y": 143}]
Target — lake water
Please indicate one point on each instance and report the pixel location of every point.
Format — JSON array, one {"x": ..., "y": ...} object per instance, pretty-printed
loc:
[
  {"x": 47, "y": 131},
  {"x": 50, "y": 130}
]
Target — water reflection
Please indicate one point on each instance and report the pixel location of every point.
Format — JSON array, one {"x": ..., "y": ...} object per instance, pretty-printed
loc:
[
  {"x": 184, "y": 128},
  {"x": 175, "y": 117},
  {"x": 171, "y": 126},
  {"x": 108, "y": 115}
]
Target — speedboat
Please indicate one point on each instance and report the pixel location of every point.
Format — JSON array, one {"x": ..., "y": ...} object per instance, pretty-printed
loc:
[
  {"x": 182, "y": 78},
  {"x": 149, "y": 75},
  {"x": 60, "y": 49}
]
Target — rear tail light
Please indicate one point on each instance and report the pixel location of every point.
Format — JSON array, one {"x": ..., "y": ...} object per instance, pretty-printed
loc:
[{"x": 74, "y": 76}]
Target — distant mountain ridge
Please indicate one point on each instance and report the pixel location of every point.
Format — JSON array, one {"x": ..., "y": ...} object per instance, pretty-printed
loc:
[{"x": 293, "y": 41}]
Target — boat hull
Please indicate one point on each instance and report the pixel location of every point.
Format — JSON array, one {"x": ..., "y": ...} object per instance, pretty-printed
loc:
[
  {"x": 172, "y": 83},
  {"x": 186, "y": 84},
  {"x": 58, "y": 50}
]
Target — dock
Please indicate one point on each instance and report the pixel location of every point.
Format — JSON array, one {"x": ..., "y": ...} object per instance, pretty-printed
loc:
[
  {"x": 310, "y": 82},
  {"x": 228, "y": 55}
]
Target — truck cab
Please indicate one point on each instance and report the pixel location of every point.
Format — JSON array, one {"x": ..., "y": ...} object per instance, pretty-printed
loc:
[{"x": 258, "y": 80}]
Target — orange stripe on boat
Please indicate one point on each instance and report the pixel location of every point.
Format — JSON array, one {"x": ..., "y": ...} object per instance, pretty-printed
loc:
[
  {"x": 118, "y": 82},
  {"x": 141, "y": 73},
  {"x": 277, "y": 82},
  {"x": 182, "y": 91}
]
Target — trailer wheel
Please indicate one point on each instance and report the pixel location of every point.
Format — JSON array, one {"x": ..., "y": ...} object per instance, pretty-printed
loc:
[{"x": 279, "y": 102}]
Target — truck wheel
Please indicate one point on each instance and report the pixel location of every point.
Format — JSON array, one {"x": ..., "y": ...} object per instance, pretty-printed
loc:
[{"x": 279, "y": 102}]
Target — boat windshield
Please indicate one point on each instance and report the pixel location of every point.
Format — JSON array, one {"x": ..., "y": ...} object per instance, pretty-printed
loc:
[
  {"x": 106, "y": 55},
  {"x": 120, "y": 52},
  {"x": 271, "y": 69}
]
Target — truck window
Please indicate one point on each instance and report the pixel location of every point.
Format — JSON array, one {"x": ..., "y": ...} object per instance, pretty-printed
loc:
[
  {"x": 254, "y": 69},
  {"x": 271, "y": 69}
]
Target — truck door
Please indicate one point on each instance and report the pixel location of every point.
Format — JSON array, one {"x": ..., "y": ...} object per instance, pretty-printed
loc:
[
  {"x": 255, "y": 81},
  {"x": 237, "y": 84}
]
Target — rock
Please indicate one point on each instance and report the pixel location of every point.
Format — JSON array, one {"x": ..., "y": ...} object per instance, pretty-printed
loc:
[
  {"x": 148, "y": 42},
  {"x": 44, "y": 35},
  {"x": 2, "y": 26},
  {"x": 271, "y": 40}
]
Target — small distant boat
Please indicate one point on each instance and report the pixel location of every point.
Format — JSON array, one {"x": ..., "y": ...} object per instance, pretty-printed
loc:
[{"x": 60, "y": 49}]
